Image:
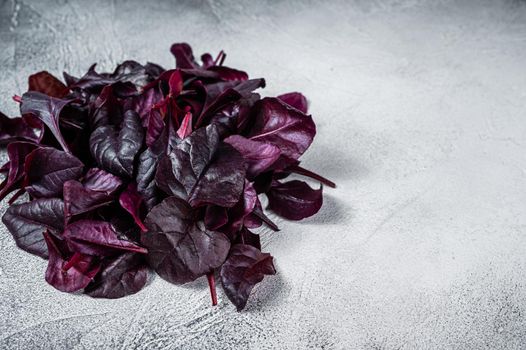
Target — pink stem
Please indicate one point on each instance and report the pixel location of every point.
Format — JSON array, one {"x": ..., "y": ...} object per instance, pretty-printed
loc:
[
  {"x": 302, "y": 171},
  {"x": 212, "y": 285},
  {"x": 72, "y": 261}
]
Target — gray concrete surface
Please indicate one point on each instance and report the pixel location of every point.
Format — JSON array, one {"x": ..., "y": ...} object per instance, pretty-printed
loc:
[{"x": 420, "y": 107}]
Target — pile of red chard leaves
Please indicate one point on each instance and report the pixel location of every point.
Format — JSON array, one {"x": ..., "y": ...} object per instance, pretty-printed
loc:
[{"x": 146, "y": 168}]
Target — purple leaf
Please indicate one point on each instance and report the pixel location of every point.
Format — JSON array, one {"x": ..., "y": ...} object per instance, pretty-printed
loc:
[
  {"x": 245, "y": 236},
  {"x": 97, "y": 238},
  {"x": 201, "y": 172},
  {"x": 17, "y": 152},
  {"x": 47, "y": 109},
  {"x": 179, "y": 250},
  {"x": 18, "y": 129},
  {"x": 131, "y": 201},
  {"x": 229, "y": 74},
  {"x": 115, "y": 150},
  {"x": 259, "y": 156},
  {"x": 215, "y": 217},
  {"x": 278, "y": 124},
  {"x": 184, "y": 56},
  {"x": 294, "y": 200},
  {"x": 46, "y": 83},
  {"x": 296, "y": 100},
  {"x": 28, "y": 221},
  {"x": 123, "y": 275},
  {"x": 154, "y": 126},
  {"x": 245, "y": 206},
  {"x": 68, "y": 276},
  {"x": 100, "y": 180},
  {"x": 47, "y": 169},
  {"x": 79, "y": 199},
  {"x": 245, "y": 267}
]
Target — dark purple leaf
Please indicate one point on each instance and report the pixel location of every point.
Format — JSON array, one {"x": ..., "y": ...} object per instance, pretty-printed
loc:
[
  {"x": 245, "y": 236},
  {"x": 296, "y": 100},
  {"x": 47, "y": 169},
  {"x": 123, "y": 275},
  {"x": 259, "y": 156},
  {"x": 28, "y": 221},
  {"x": 79, "y": 199},
  {"x": 245, "y": 206},
  {"x": 229, "y": 74},
  {"x": 17, "y": 152},
  {"x": 131, "y": 201},
  {"x": 155, "y": 125},
  {"x": 46, "y": 83},
  {"x": 47, "y": 109},
  {"x": 97, "y": 238},
  {"x": 294, "y": 200},
  {"x": 68, "y": 275},
  {"x": 115, "y": 150},
  {"x": 100, "y": 180},
  {"x": 184, "y": 56},
  {"x": 202, "y": 171},
  {"x": 179, "y": 250},
  {"x": 245, "y": 267},
  {"x": 278, "y": 124},
  {"x": 215, "y": 217},
  {"x": 18, "y": 129}
]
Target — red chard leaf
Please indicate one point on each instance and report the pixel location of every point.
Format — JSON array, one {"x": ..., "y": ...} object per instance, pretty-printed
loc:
[
  {"x": 115, "y": 150},
  {"x": 131, "y": 201},
  {"x": 278, "y": 124},
  {"x": 192, "y": 170},
  {"x": 47, "y": 169},
  {"x": 259, "y": 156},
  {"x": 97, "y": 238},
  {"x": 245, "y": 267},
  {"x": 122, "y": 275},
  {"x": 47, "y": 109},
  {"x": 28, "y": 221},
  {"x": 179, "y": 250},
  {"x": 294, "y": 200},
  {"x": 46, "y": 83},
  {"x": 68, "y": 275},
  {"x": 296, "y": 100}
]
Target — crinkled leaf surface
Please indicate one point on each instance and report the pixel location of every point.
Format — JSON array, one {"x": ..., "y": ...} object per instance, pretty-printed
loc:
[
  {"x": 47, "y": 169},
  {"x": 202, "y": 171},
  {"x": 28, "y": 221},
  {"x": 115, "y": 150},
  {"x": 179, "y": 249}
]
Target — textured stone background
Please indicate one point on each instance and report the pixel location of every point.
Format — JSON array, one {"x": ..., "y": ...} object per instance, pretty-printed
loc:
[{"x": 420, "y": 108}]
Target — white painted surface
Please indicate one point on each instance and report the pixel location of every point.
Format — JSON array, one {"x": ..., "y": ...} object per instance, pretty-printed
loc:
[{"x": 420, "y": 107}]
